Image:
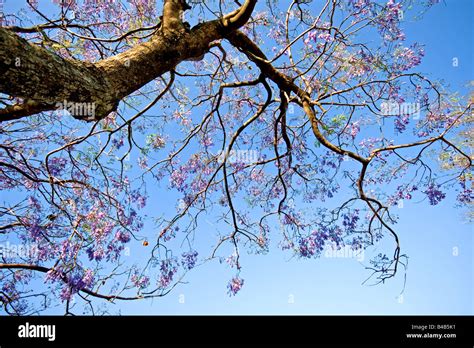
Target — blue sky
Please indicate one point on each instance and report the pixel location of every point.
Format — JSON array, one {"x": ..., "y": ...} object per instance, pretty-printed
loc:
[{"x": 437, "y": 239}]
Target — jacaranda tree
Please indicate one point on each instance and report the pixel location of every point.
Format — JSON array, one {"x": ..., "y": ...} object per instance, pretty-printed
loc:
[{"x": 293, "y": 124}]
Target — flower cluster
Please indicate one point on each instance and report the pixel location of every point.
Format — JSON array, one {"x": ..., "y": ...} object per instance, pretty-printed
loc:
[
  {"x": 402, "y": 192},
  {"x": 407, "y": 57},
  {"x": 312, "y": 245},
  {"x": 74, "y": 283},
  {"x": 467, "y": 194},
  {"x": 178, "y": 178},
  {"x": 69, "y": 249},
  {"x": 107, "y": 240},
  {"x": 232, "y": 260},
  {"x": 138, "y": 198},
  {"x": 354, "y": 129},
  {"x": 156, "y": 141},
  {"x": 388, "y": 21},
  {"x": 435, "y": 195},
  {"x": 321, "y": 37},
  {"x": 139, "y": 280},
  {"x": 361, "y": 6},
  {"x": 122, "y": 236},
  {"x": 234, "y": 285},
  {"x": 350, "y": 220},
  {"x": 401, "y": 123},
  {"x": 56, "y": 165},
  {"x": 189, "y": 259},
  {"x": 117, "y": 142},
  {"x": 35, "y": 229},
  {"x": 168, "y": 269}
]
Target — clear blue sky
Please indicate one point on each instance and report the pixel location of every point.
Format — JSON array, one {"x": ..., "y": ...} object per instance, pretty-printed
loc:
[{"x": 438, "y": 282}]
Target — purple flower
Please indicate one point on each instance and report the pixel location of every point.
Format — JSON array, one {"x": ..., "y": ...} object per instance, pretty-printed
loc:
[
  {"x": 466, "y": 196},
  {"x": 96, "y": 253},
  {"x": 401, "y": 123},
  {"x": 312, "y": 245},
  {"x": 143, "y": 162},
  {"x": 168, "y": 268},
  {"x": 234, "y": 286},
  {"x": 388, "y": 21},
  {"x": 34, "y": 203},
  {"x": 233, "y": 261},
  {"x": 88, "y": 278},
  {"x": 189, "y": 259},
  {"x": 435, "y": 195},
  {"x": 177, "y": 179},
  {"x": 140, "y": 281},
  {"x": 312, "y": 35},
  {"x": 53, "y": 275},
  {"x": 69, "y": 249},
  {"x": 35, "y": 230},
  {"x": 207, "y": 141},
  {"x": 350, "y": 220},
  {"x": 354, "y": 129},
  {"x": 156, "y": 141},
  {"x": 121, "y": 236},
  {"x": 66, "y": 293},
  {"x": 118, "y": 143},
  {"x": 80, "y": 281},
  {"x": 326, "y": 37},
  {"x": 56, "y": 165},
  {"x": 362, "y": 6},
  {"x": 408, "y": 57}
]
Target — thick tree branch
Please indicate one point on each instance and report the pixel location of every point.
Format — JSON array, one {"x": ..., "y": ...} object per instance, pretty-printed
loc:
[
  {"x": 172, "y": 16},
  {"x": 17, "y": 111},
  {"x": 239, "y": 17},
  {"x": 46, "y": 79}
]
